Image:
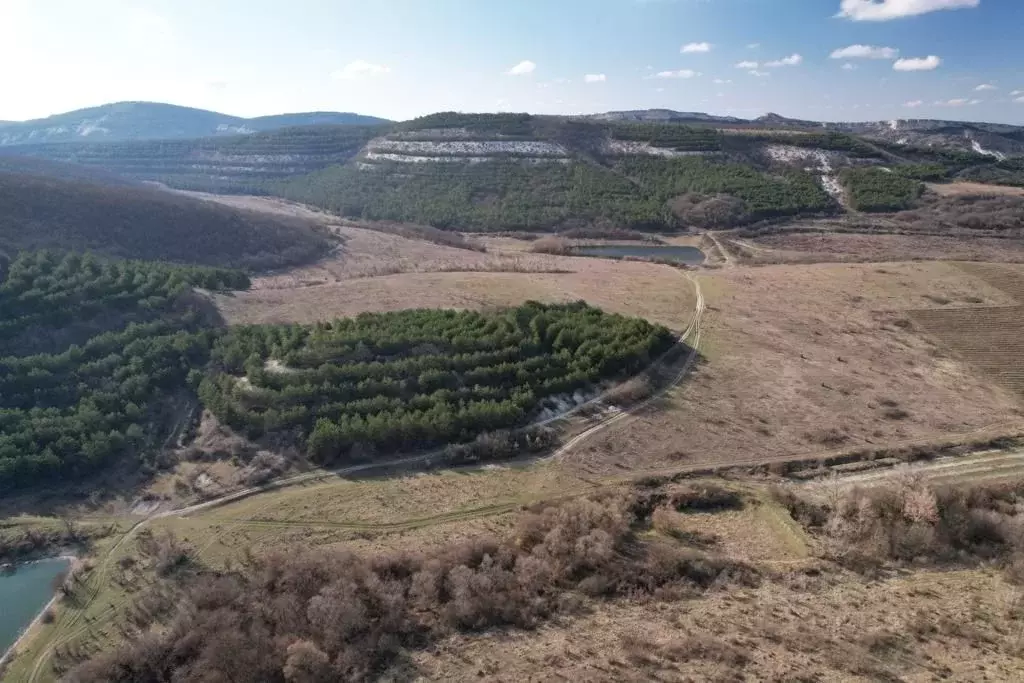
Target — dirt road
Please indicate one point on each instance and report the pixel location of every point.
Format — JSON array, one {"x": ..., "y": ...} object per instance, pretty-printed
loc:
[
  {"x": 691, "y": 336},
  {"x": 977, "y": 468}
]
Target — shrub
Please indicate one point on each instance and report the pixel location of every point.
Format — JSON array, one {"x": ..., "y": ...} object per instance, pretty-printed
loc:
[
  {"x": 328, "y": 614},
  {"x": 552, "y": 245}
]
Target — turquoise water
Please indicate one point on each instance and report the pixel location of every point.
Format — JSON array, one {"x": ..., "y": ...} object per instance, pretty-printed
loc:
[
  {"x": 23, "y": 593},
  {"x": 688, "y": 255}
]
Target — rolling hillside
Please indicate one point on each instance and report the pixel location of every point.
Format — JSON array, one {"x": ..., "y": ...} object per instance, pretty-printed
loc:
[
  {"x": 156, "y": 121},
  {"x": 655, "y": 170},
  {"x": 145, "y": 223},
  {"x": 232, "y": 164}
]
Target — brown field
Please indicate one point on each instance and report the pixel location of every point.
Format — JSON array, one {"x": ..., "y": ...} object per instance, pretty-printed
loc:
[
  {"x": 1009, "y": 279},
  {"x": 921, "y": 627},
  {"x": 801, "y": 360},
  {"x": 967, "y": 189},
  {"x": 660, "y": 293},
  {"x": 990, "y": 339},
  {"x": 822, "y": 247}
]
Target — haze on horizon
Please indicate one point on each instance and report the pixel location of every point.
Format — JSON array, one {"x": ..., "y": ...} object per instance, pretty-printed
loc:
[{"x": 814, "y": 59}]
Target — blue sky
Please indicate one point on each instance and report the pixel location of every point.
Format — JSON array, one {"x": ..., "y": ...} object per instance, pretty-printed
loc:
[{"x": 404, "y": 58}]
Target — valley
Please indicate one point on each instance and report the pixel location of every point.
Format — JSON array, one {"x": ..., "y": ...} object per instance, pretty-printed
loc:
[{"x": 480, "y": 452}]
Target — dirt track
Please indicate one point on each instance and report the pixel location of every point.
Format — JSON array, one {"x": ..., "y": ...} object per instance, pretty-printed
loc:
[{"x": 981, "y": 467}]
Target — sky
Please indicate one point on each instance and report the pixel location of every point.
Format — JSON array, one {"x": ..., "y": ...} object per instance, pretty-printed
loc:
[{"x": 837, "y": 60}]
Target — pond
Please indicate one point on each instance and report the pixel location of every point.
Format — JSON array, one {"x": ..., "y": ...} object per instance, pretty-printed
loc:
[
  {"x": 23, "y": 592},
  {"x": 687, "y": 255}
]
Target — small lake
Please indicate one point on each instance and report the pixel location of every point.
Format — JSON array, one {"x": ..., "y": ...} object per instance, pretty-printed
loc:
[
  {"x": 687, "y": 255},
  {"x": 23, "y": 592}
]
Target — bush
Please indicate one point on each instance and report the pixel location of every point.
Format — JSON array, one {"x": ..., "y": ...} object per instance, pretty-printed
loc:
[
  {"x": 552, "y": 245},
  {"x": 328, "y": 614},
  {"x": 913, "y": 522}
]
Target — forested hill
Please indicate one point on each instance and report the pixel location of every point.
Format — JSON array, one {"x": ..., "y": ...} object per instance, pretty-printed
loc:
[
  {"x": 100, "y": 359},
  {"x": 147, "y": 223},
  {"x": 94, "y": 356},
  {"x": 158, "y": 121},
  {"x": 523, "y": 172}
]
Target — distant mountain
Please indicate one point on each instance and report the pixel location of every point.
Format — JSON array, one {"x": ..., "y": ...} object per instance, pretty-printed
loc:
[
  {"x": 996, "y": 140},
  {"x": 662, "y": 116},
  {"x": 154, "y": 121}
]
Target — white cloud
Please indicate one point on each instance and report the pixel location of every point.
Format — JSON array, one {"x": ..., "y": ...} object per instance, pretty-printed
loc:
[
  {"x": 1016, "y": 92},
  {"x": 913, "y": 103},
  {"x": 957, "y": 102},
  {"x": 721, "y": 81},
  {"x": 360, "y": 69},
  {"x": 985, "y": 86},
  {"x": 753, "y": 46},
  {"x": 865, "y": 52},
  {"x": 1020, "y": 100},
  {"x": 759, "y": 74},
  {"x": 885, "y": 10},
  {"x": 792, "y": 60},
  {"x": 849, "y": 67},
  {"x": 681, "y": 73},
  {"x": 747, "y": 65},
  {"x": 929, "y": 63},
  {"x": 696, "y": 47},
  {"x": 595, "y": 78},
  {"x": 523, "y": 68}
]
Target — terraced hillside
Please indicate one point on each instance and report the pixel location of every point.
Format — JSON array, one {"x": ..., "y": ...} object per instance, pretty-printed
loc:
[
  {"x": 241, "y": 164},
  {"x": 523, "y": 172}
]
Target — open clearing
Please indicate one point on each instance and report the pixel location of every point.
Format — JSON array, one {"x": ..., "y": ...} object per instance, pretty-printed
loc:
[
  {"x": 825, "y": 247},
  {"x": 967, "y": 189},
  {"x": 991, "y": 339},
  {"x": 807, "y": 359},
  {"x": 659, "y": 293}
]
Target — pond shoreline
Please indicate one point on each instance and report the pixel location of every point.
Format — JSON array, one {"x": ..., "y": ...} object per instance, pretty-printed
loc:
[
  {"x": 9, "y": 654},
  {"x": 674, "y": 254}
]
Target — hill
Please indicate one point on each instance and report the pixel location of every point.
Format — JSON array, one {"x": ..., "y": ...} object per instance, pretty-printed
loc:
[
  {"x": 95, "y": 355},
  {"x": 146, "y": 223},
  {"x": 157, "y": 121},
  {"x": 655, "y": 170},
  {"x": 239, "y": 163},
  {"x": 46, "y": 168}
]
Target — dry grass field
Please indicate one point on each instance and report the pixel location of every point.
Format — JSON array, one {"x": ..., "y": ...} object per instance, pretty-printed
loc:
[
  {"x": 659, "y": 293},
  {"x": 834, "y": 247},
  {"x": 1009, "y": 279},
  {"x": 962, "y": 626},
  {"x": 801, "y": 360},
  {"x": 990, "y": 339},
  {"x": 968, "y": 189}
]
